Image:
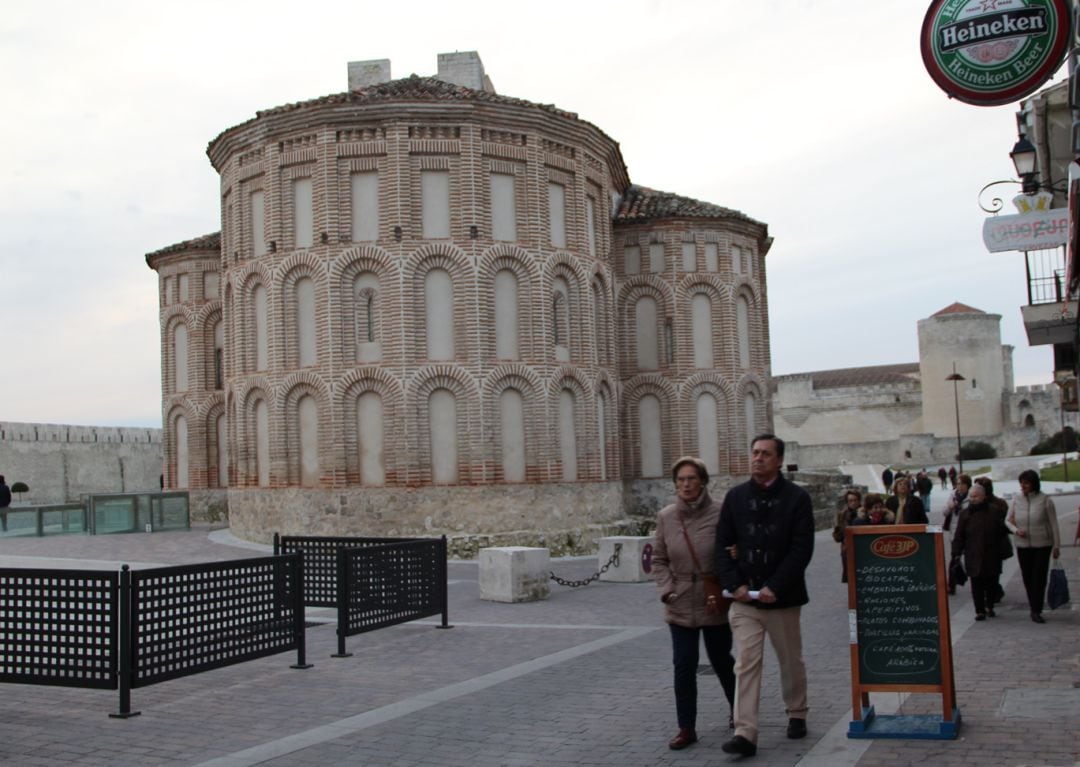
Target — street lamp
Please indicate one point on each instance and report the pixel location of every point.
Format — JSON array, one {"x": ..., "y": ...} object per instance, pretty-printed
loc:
[
  {"x": 956, "y": 401},
  {"x": 1023, "y": 157}
]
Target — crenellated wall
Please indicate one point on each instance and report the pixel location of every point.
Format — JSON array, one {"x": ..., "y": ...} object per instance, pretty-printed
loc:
[{"x": 60, "y": 462}]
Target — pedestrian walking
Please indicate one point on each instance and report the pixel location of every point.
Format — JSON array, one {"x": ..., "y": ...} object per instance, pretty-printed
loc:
[
  {"x": 683, "y": 563},
  {"x": 978, "y": 539},
  {"x": 907, "y": 509},
  {"x": 943, "y": 476},
  {"x": 847, "y": 515},
  {"x": 1033, "y": 519},
  {"x": 770, "y": 521},
  {"x": 887, "y": 478},
  {"x": 952, "y": 476},
  {"x": 5, "y": 501}
]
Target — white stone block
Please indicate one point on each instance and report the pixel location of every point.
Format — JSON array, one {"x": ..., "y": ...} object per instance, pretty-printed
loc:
[
  {"x": 514, "y": 574},
  {"x": 635, "y": 558}
]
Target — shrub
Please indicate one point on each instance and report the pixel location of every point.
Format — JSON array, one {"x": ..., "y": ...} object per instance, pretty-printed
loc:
[
  {"x": 975, "y": 450},
  {"x": 1061, "y": 442},
  {"x": 19, "y": 488}
]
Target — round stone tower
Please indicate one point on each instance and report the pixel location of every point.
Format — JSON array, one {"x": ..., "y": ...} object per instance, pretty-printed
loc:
[{"x": 433, "y": 321}]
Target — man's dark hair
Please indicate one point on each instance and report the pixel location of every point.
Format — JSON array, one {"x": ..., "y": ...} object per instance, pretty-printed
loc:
[{"x": 763, "y": 437}]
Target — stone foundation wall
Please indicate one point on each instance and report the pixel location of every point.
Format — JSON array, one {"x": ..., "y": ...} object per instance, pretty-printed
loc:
[{"x": 568, "y": 518}]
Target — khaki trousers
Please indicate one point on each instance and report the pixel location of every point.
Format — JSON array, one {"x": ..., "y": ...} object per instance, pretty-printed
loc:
[{"x": 749, "y": 625}]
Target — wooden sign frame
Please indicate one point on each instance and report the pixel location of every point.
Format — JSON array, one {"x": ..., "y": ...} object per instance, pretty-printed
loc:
[{"x": 883, "y": 556}]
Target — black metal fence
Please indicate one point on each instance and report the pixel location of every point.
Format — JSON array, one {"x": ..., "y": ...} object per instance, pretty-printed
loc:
[
  {"x": 320, "y": 562},
  {"x": 373, "y": 582},
  {"x": 119, "y": 630},
  {"x": 390, "y": 583},
  {"x": 59, "y": 627}
]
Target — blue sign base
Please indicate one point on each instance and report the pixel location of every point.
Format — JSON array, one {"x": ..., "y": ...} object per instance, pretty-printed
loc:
[{"x": 910, "y": 727}]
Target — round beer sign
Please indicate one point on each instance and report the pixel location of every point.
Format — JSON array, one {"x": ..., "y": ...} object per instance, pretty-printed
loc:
[{"x": 990, "y": 52}]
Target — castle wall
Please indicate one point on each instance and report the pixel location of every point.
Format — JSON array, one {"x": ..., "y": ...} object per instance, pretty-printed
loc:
[
  {"x": 848, "y": 414},
  {"x": 59, "y": 462}
]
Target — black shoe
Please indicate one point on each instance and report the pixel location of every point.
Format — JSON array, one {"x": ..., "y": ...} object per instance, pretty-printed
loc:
[
  {"x": 982, "y": 616},
  {"x": 739, "y": 745},
  {"x": 990, "y": 612},
  {"x": 1037, "y": 617},
  {"x": 796, "y": 728}
]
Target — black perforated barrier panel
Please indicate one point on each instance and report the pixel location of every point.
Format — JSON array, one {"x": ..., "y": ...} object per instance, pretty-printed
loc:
[
  {"x": 194, "y": 618},
  {"x": 320, "y": 562},
  {"x": 59, "y": 627},
  {"x": 389, "y": 584}
]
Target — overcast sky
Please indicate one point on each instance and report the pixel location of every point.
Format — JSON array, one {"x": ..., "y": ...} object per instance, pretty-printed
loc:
[{"x": 815, "y": 117}]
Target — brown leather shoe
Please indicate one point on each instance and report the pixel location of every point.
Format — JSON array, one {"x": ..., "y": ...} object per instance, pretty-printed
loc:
[{"x": 685, "y": 738}]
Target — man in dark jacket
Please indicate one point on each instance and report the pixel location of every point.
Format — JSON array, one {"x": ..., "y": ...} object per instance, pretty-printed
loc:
[
  {"x": 770, "y": 521},
  {"x": 5, "y": 500}
]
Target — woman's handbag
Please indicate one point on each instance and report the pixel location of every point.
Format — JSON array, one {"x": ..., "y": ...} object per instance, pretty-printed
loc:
[
  {"x": 838, "y": 534},
  {"x": 715, "y": 601},
  {"x": 1057, "y": 593},
  {"x": 957, "y": 573},
  {"x": 1006, "y": 549}
]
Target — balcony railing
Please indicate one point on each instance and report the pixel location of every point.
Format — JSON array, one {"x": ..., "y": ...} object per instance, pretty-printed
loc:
[{"x": 1046, "y": 277}]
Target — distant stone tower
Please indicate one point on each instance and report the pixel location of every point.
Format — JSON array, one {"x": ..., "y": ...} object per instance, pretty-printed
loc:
[
  {"x": 971, "y": 339},
  {"x": 435, "y": 309}
]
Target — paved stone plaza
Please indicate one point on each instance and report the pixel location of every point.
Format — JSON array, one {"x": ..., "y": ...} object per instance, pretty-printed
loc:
[{"x": 580, "y": 679}]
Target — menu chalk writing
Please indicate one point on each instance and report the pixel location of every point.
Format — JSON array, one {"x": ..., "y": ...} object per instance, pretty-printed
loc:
[{"x": 896, "y": 606}]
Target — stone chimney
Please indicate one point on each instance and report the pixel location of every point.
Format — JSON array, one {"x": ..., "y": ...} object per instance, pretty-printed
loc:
[
  {"x": 363, "y": 74},
  {"x": 464, "y": 68}
]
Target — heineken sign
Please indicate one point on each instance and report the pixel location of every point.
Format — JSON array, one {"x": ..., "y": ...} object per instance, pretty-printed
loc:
[{"x": 990, "y": 52}]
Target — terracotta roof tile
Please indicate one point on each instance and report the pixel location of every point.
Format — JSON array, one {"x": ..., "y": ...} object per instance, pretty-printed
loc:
[
  {"x": 206, "y": 242},
  {"x": 641, "y": 204},
  {"x": 873, "y": 375},
  {"x": 412, "y": 88},
  {"x": 958, "y": 308}
]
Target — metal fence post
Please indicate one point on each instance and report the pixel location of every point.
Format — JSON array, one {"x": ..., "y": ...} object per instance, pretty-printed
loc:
[
  {"x": 443, "y": 590},
  {"x": 299, "y": 626},
  {"x": 343, "y": 595},
  {"x": 125, "y": 639},
  {"x": 277, "y": 544}
]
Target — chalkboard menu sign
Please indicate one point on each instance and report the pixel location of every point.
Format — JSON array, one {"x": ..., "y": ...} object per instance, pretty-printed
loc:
[{"x": 896, "y": 609}]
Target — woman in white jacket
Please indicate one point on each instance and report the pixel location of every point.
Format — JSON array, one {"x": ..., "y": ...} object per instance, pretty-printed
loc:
[{"x": 1033, "y": 519}]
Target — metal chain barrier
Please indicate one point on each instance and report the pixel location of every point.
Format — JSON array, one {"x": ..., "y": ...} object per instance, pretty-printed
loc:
[{"x": 614, "y": 561}]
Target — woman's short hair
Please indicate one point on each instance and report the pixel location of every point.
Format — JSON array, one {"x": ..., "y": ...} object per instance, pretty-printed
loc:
[
  {"x": 902, "y": 478},
  {"x": 690, "y": 460},
  {"x": 987, "y": 484},
  {"x": 965, "y": 478},
  {"x": 1031, "y": 477},
  {"x": 854, "y": 492},
  {"x": 873, "y": 499}
]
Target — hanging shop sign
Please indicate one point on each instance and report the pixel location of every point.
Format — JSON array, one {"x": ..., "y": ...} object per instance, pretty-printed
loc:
[
  {"x": 1027, "y": 231},
  {"x": 991, "y": 52}
]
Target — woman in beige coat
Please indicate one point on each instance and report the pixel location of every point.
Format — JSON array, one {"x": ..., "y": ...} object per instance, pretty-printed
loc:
[
  {"x": 1034, "y": 520},
  {"x": 685, "y": 542}
]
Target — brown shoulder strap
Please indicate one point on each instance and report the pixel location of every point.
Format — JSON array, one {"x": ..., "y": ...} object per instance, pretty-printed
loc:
[{"x": 689, "y": 545}]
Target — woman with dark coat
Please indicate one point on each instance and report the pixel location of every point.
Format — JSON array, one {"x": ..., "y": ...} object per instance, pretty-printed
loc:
[
  {"x": 906, "y": 507},
  {"x": 978, "y": 537},
  {"x": 683, "y": 555}
]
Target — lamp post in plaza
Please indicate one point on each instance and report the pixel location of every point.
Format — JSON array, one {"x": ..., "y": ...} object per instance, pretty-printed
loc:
[
  {"x": 1063, "y": 384},
  {"x": 956, "y": 402}
]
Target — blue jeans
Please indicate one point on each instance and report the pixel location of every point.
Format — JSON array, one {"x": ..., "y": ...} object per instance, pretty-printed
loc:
[{"x": 685, "y": 654}]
